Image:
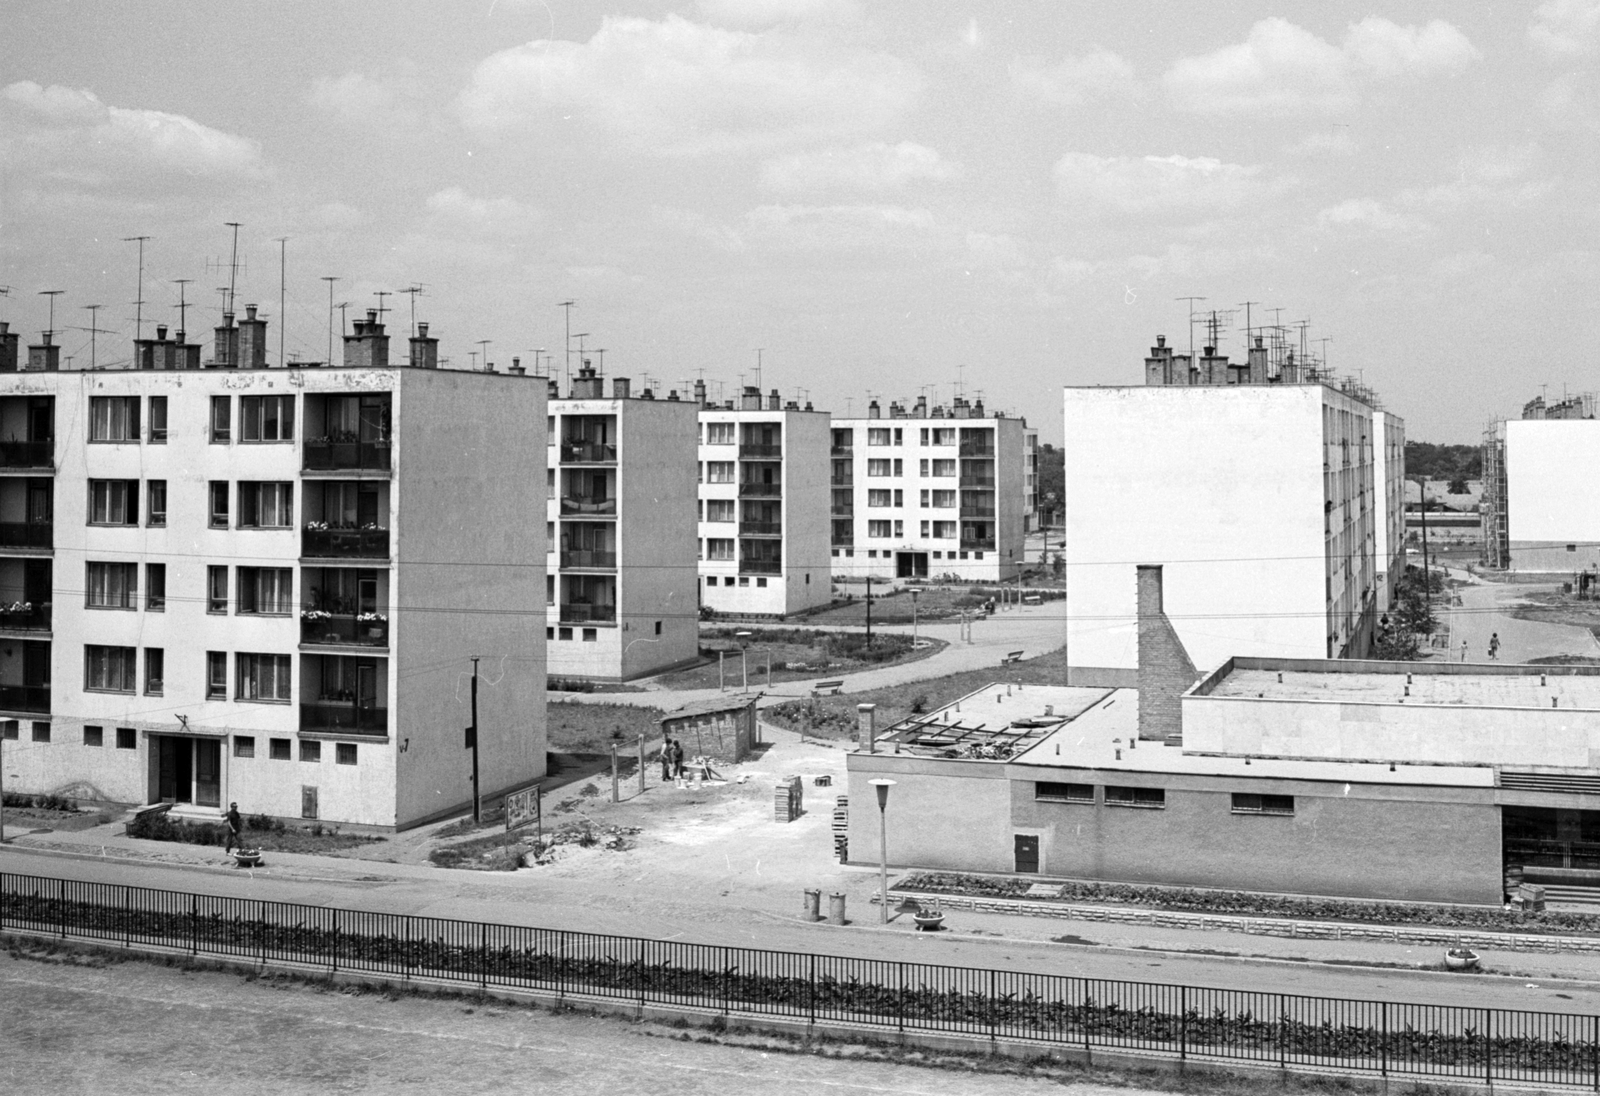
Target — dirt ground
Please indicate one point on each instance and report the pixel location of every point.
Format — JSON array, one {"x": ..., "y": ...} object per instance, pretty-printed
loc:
[{"x": 1559, "y": 608}]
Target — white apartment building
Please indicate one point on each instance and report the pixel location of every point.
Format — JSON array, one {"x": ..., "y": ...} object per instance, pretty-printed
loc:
[
  {"x": 1253, "y": 484},
  {"x": 1389, "y": 480},
  {"x": 1030, "y": 480},
  {"x": 1550, "y": 521},
  {"x": 267, "y": 585},
  {"x": 928, "y": 493},
  {"x": 763, "y": 506},
  {"x": 622, "y": 585}
]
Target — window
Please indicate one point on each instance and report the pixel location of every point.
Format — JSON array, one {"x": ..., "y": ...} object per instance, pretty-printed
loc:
[
  {"x": 158, "y": 420},
  {"x": 1250, "y": 803},
  {"x": 549, "y": 589},
  {"x": 590, "y": 635},
  {"x": 216, "y": 675},
  {"x": 944, "y": 468},
  {"x": 8, "y": 730},
  {"x": 127, "y": 738},
  {"x": 761, "y": 582},
  {"x": 113, "y": 585},
  {"x": 719, "y": 471},
  {"x": 879, "y": 467},
  {"x": 155, "y": 665},
  {"x": 1151, "y": 798},
  {"x": 549, "y": 537},
  {"x": 310, "y": 750},
  {"x": 899, "y": 528},
  {"x": 156, "y": 512},
  {"x": 94, "y": 736},
  {"x": 244, "y": 745},
  {"x": 266, "y": 505},
  {"x": 278, "y": 749},
  {"x": 221, "y": 419},
  {"x": 550, "y": 482},
  {"x": 1063, "y": 793},
  {"x": 267, "y": 591},
  {"x": 924, "y": 530},
  {"x": 719, "y": 509},
  {"x": 719, "y": 433},
  {"x": 944, "y": 435},
  {"x": 344, "y": 753},
  {"x": 944, "y": 530},
  {"x": 899, "y": 497},
  {"x": 113, "y": 502},
  {"x": 658, "y": 627},
  {"x": 899, "y": 467},
  {"x": 41, "y": 731},
  {"x": 879, "y": 529},
  {"x": 266, "y": 418},
  {"x": 922, "y": 467},
  {"x": 899, "y": 436},
  {"x": 262, "y": 677},
  {"x": 879, "y": 497},
  {"x": 943, "y": 500},
  {"x": 550, "y": 430},
  {"x": 877, "y": 435},
  {"x": 566, "y": 633},
  {"x": 113, "y": 418},
  {"x": 108, "y": 669},
  {"x": 216, "y": 589},
  {"x": 219, "y": 504},
  {"x": 719, "y": 548}
]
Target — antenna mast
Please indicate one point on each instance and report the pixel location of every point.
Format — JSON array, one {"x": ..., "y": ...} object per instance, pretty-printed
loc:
[
  {"x": 283, "y": 273},
  {"x": 183, "y": 304},
  {"x": 1191, "y": 301},
  {"x": 758, "y": 366},
  {"x": 416, "y": 288},
  {"x": 93, "y": 329},
  {"x": 138, "y": 304},
  {"x": 330, "y": 279},
  {"x": 52, "y": 294},
  {"x": 566, "y": 364},
  {"x": 233, "y": 263}
]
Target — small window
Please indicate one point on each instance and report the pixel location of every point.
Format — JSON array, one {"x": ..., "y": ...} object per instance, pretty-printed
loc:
[
  {"x": 344, "y": 753},
  {"x": 565, "y": 633},
  {"x": 743, "y": 581},
  {"x": 1063, "y": 793},
  {"x": 590, "y": 635},
  {"x": 1251, "y": 803},
  {"x": 219, "y": 504},
  {"x": 156, "y": 512},
  {"x": 1150, "y": 798},
  {"x": 8, "y": 729},
  {"x": 158, "y": 420},
  {"x": 127, "y": 738},
  {"x": 108, "y": 669},
  {"x": 278, "y": 749},
  {"x": 113, "y": 418},
  {"x": 217, "y": 590},
  {"x": 155, "y": 587},
  {"x": 221, "y": 419},
  {"x": 549, "y": 633},
  {"x": 311, "y": 750},
  {"x": 262, "y": 677},
  {"x": 216, "y": 675},
  {"x": 41, "y": 731},
  {"x": 761, "y": 582},
  {"x": 155, "y": 670},
  {"x": 658, "y": 627},
  {"x": 266, "y": 418},
  {"x": 244, "y": 745},
  {"x": 94, "y": 736}
]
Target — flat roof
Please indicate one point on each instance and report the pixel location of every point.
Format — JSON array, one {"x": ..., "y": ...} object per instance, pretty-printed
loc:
[
  {"x": 1532, "y": 689},
  {"x": 995, "y": 723}
]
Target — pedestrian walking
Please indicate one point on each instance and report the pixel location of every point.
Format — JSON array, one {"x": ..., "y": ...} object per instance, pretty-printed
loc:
[
  {"x": 677, "y": 759},
  {"x": 235, "y": 828},
  {"x": 1463, "y": 650},
  {"x": 665, "y": 757},
  {"x": 1494, "y": 646}
]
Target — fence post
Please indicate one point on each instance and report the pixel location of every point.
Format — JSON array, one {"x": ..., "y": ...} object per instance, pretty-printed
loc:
[
  {"x": 483, "y": 955},
  {"x": 641, "y": 972},
  {"x": 194, "y": 924},
  {"x": 723, "y": 982},
  {"x": 1283, "y": 1060},
  {"x": 61, "y": 904},
  {"x": 1488, "y": 1047},
  {"x": 561, "y": 964},
  {"x": 900, "y": 999},
  {"x": 1183, "y": 1023},
  {"x": 405, "y": 949},
  {"x": 1594, "y": 1050},
  {"x": 1384, "y": 1034},
  {"x": 335, "y": 965},
  {"x": 811, "y": 1011},
  {"x": 994, "y": 1006},
  {"x": 127, "y": 917}
]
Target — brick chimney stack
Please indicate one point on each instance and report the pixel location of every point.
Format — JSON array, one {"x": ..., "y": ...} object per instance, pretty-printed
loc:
[{"x": 1165, "y": 671}]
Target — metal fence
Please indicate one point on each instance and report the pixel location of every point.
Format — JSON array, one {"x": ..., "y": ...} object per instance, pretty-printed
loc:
[{"x": 1285, "y": 1030}]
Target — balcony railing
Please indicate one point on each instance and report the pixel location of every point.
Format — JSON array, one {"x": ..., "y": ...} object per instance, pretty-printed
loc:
[
  {"x": 26, "y": 617},
  {"x": 344, "y": 543},
  {"x": 338, "y": 456},
  {"x": 843, "y": 451},
  {"x": 587, "y": 504},
  {"x": 27, "y": 534},
  {"x": 986, "y": 545},
  {"x": 760, "y": 566},
  {"x": 760, "y": 490},
  {"x": 586, "y": 559},
  {"x": 971, "y": 510},
  {"x": 760, "y": 452},
  {"x": 977, "y": 481},
  {"x": 588, "y": 452},
  {"x": 345, "y": 630},
  {"x": 847, "y": 541},
  {"x": 977, "y": 449},
  {"x": 844, "y": 511},
  {"x": 344, "y": 717},
  {"x": 25, "y": 698},
  {"x": 842, "y": 481},
  {"x": 588, "y": 614},
  {"x": 761, "y": 529},
  {"x": 26, "y": 454}
]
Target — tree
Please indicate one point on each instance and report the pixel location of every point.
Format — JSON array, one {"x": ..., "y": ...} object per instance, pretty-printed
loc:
[{"x": 1052, "y": 482}]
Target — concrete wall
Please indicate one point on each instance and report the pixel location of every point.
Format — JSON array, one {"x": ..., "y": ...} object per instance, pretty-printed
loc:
[
  {"x": 942, "y": 814},
  {"x": 1550, "y": 493}
]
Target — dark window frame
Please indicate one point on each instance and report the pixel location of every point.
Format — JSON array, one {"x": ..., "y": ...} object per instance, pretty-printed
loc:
[
  {"x": 1278, "y": 806},
  {"x": 1145, "y": 799},
  {"x": 1053, "y": 791}
]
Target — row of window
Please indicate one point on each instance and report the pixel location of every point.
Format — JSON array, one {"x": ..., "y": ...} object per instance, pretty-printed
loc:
[
  {"x": 895, "y": 435},
  {"x": 873, "y": 553},
  {"x": 257, "y": 677},
  {"x": 262, "y": 504},
  {"x": 261, "y": 591},
  {"x": 744, "y": 580},
  {"x": 244, "y": 745},
  {"x": 1154, "y": 798},
  {"x": 261, "y": 419}
]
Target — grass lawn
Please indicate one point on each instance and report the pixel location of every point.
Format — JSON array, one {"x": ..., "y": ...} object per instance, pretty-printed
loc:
[
  {"x": 835, "y": 716},
  {"x": 796, "y": 654},
  {"x": 591, "y": 728},
  {"x": 934, "y": 603}
]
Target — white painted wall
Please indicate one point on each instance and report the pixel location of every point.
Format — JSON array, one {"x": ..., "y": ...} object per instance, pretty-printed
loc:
[{"x": 1551, "y": 500}]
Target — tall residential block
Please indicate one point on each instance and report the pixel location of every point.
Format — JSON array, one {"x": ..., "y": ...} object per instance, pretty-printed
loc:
[
  {"x": 928, "y": 492},
  {"x": 763, "y": 506},
  {"x": 1537, "y": 513},
  {"x": 622, "y": 584},
  {"x": 267, "y": 585}
]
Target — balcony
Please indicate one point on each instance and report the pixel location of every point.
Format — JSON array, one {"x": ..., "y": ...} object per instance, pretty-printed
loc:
[
  {"x": 27, "y": 454},
  {"x": 25, "y": 698},
  {"x": 760, "y": 567},
  {"x": 588, "y": 452},
  {"x": 760, "y": 452},
  {"x": 588, "y": 614},
  {"x": 978, "y": 481},
  {"x": 842, "y": 481},
  {"x": 27, "y": 534},
  {"x": 844, "y": 511},
  {"x": 847, "y": 541},
  {"x": 344, "y": 717},
  {"x": 761, "y": 529},
  {"x": 760, "y": 490},
  {"x": 985, "y": 545},
  {"x": 842, "y": 451},
  {"x": 977, "y": 510},
  {"x": 25, "y": 616},
  {"x": 977, "y": 449},
  {"x": 323, "y": 455},
  {"x": 343, "y": 630},
  {"x": 586, "y": 559},
  {"x": 344, "y": 543},
  {"x": 588, "y": 505}
]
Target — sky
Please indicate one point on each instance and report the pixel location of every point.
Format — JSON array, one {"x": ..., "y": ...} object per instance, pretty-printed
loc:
[{"x": 861, "y": 199}]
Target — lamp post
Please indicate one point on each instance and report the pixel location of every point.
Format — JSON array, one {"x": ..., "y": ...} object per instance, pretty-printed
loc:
[{"x": 882, "y": 786}]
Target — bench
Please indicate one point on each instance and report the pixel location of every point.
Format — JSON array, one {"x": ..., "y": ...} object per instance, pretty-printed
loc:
[
  {"x": 1032, "y": 599},
  {"x": 828, "y": 688},
  {"x": 145, "y": 812},
  {"x": 1012, "y": 656}
]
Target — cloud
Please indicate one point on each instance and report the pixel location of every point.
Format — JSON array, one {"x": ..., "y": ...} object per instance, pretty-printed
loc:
[
  {"x": 873, "y": 167},
  {"x": 697, "y": 226},
  {"x": 69, "y": 133},
  {"x": 1098, "y": 74},
  {"x": 1570, "y": 103},
  {"x": 1159, "y": 184},
  {"x": 677, "y": 87},
  {"x": 1496, "y": 174},
  {"x": 1281, "y": 68},
  {"x": 767, "y": 13},
  {"x": 807, "y": 227},
  {"x": 1566, "y": 28},
  {"x": 1365, "y": 213},
  {"x": 1335, "y": 143},
  {"x": 454, "y": 209}
]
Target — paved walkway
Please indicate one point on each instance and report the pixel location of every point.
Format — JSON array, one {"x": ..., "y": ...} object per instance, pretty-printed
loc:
[{"x": 1486, "y": 610}]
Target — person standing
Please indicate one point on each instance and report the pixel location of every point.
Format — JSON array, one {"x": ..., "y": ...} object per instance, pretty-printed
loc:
[
  {"x": 677, "y": 760},
  {"x": 1463, "y": 650},
  {"x": 235, "y": 828},
  {"x": 1494, "y": 646},
  {"x": 665, "y": 757}
]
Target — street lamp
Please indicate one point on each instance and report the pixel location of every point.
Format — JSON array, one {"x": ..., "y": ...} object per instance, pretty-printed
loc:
[{"x": 882, "y": 785}]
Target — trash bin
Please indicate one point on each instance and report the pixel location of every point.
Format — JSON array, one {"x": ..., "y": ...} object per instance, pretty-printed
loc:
[
  {"x": 813, "y": 905},
  {"x": 836, "y": 908}
]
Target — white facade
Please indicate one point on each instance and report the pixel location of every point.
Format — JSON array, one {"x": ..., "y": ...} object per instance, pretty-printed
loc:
[
  {"x": 1551, "y": 519},
  {"x": 920, "y": 496},
  {"x": 1389, "y": 480},
  {"x": 265, "y": 586},
  {"x": 621, "y": 591},
  {"x": 1258, "y": 499},
  {"x": 763, "y": 508}
]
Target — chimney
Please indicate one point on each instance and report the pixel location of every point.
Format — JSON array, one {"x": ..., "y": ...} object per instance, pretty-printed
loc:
[
  {"x": 157, "y": 353},
  {"x": 185, "y": 355},
  {"x": 1165, "y": 671},
  {"x": 587, "y": 385},
  {"x": 673, "y": 396},
  {"x": 977, "y": 410},
  {"x": 516, "y": 369},
  {"x": 252, "y": 340},
  {"x": 1258, "y": 362},
  {"x": 774, "y": 401},
  {"x": 620, "y": 388},
  {"x": 1213, "y": 367},
  {"x": 647, "y": 394},
  {"x": 959, "y": 408},
  {"x": 750, "y": 399},
  {"x": 792, "y": 405},
  {"x": 700, "y": 393},
  {"x": 872, "y": 410},
  {"x": 727, "y": 405},
  {"x": 44, "y": 356},
  {"x": 225, "y": 347},
  {"x": 809, "y": 407},
  {"x": 8, "y": 348},
  {"x": 1158, "y": 366},
  {"x": 424, "y": 349},
  {"x": 368, "y": 348},
  {"x": 553, "y": 388},
  {"x": 920, "y": 411},
  {"x": 866, "y": 728}
]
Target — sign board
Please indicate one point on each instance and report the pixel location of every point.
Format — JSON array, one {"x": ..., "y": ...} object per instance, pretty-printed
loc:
[{"x": 522, "y": 809}]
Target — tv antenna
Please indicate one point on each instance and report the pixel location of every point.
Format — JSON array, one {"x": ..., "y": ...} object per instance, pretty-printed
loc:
[
  {"x": 330, "y": 279},
  {"x": 233, "y": 263},
  {"x": 283, "y": 273},
  {"x": 483, "y": 349},
  {"x": 536, "y": 352},
  {"x": 758, "y": 366},
  {"x": 93, "y": 329},
  {"x": 52, "y": 294},
  {"x": 138, "y": 303},
  {"x": 566, "y": 365},
  {"x": 412, "y": 292},
  {"x": 1191, "y": 301},
  {"x": 582, "y": 361},
  {"x": 183, "y": 304},
  {"x": 382, "y": 308},
  {"x": 342, "y": 325},
  {"x": 1325, "y": 340},
  {"x": 600, "y": 350},
  {"x": 1249, "y": 331}
]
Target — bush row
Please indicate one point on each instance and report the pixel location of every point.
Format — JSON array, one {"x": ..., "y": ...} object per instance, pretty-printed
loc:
[{"x": 43, "y": 802}]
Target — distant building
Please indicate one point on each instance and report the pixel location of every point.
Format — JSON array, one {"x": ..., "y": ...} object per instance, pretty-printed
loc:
[
  {"x": 1388, "y": 484},
  {"x": 929, "y": 492},
  {"x": 1536, "y": 513}
]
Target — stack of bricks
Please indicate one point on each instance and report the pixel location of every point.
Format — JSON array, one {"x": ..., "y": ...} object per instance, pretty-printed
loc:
[
  {"x": 841, "y": 827},
  {"x": 786, "y": 803}
]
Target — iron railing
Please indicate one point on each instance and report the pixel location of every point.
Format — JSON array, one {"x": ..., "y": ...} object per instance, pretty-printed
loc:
[
  {"x": 27, "y": 534},
  {"x": 587, "y": 559},
  {"x": 760, "y": 490},
  {"x": 578, "y": 613},
  {"x": 760, "y": 567},
  {"x": 588, "y": 505},
  {"x": 344, "y": 629},
  {"x": 27, "y": 454},
  {"x": 1288, "y": 1031},
  {"x": 578, "y": 451},
  {"x": 344, "y": 543},
  {"x": 27, "y": 617},
  {"x": 344, "y": 717},
  {"x": 25, "y": 698},
  {"x": 340, "y": 456},
  {"x": 758, "y": 451}
]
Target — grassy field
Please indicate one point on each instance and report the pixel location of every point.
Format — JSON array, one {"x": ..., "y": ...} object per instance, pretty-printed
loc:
[
  {"x": 592, "y": 728},
  {"x": 894, "y": 607},
  {"x": 796, "y": 654},
  {"x": 835, "y": 716}
]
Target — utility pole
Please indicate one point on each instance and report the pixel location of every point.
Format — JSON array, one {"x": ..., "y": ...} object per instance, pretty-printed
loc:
[
  {"x": 472, "y": 743},
  {"x": 1427, "y": 573},
  {"x": 869, "y": 612},
  {"x": 330, "y": 279}
]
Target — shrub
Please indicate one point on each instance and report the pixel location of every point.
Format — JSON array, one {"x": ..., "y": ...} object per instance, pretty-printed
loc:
[{"x": 264, "y": 822}]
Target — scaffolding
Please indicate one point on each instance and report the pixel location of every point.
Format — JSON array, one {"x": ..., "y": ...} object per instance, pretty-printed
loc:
[{"x": 1492, "y": 510}]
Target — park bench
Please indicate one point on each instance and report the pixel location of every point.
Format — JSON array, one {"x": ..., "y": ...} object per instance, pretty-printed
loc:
[
  {"x": 828, "y": 688},
  {"x": 1011, "y": 656},
  {"x": 144, "y": 812},
  {"x": 1032, "y": 599}
]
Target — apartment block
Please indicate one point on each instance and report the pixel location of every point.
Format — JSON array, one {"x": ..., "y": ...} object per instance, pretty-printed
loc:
[
  {"x": 266, "y": 585},
  {"x": 924, "y": 493},
  {"x": 622, "y": 586},
  {"x": 1389, "y": 481},
  {"x": 1254, "y": 483},
  {"x": 763, "y": 506},
  {"x": 1537, "y": 490}
]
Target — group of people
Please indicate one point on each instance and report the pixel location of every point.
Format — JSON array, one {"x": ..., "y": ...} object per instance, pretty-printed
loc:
[
  {"x": 1494, "y": 648},
  {"x": 672, "y": 767}
]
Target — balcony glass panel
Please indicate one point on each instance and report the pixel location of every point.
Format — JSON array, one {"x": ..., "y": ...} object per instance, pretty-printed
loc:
[
  {"x": 760, "y": 490},
  {"x": 327, "y": 455},
  {"x": 325, "y": 543},
  {"x": 25, "y": 616},
  {"x": 27, "y": 534},
  {"x": 318, "y": 626},
  {"x": 344, "y": 717},
  {"x": 588, "y": 452},
  {"x": 588, "y": 614},
  {"x": 25, "y": 698},
  {"x": 760, "y": 566},
  {"x": 588, "y": 559},
  {"x": 26, "y": 454}
]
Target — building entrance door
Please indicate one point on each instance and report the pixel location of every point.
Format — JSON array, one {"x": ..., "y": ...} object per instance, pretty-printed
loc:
[
  {"x": 1026, "y": 848},
  {"x": 207, "y": 772},
  {"x": 175, "y": 769},
  {"x": 911, "y": 564}
]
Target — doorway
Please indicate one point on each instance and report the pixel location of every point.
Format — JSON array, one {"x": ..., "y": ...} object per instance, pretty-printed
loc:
[
  {"x": 1025, "y": 848},
  {"x": 911, "y": 565},
  {"x": 188, "y": 770}
]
